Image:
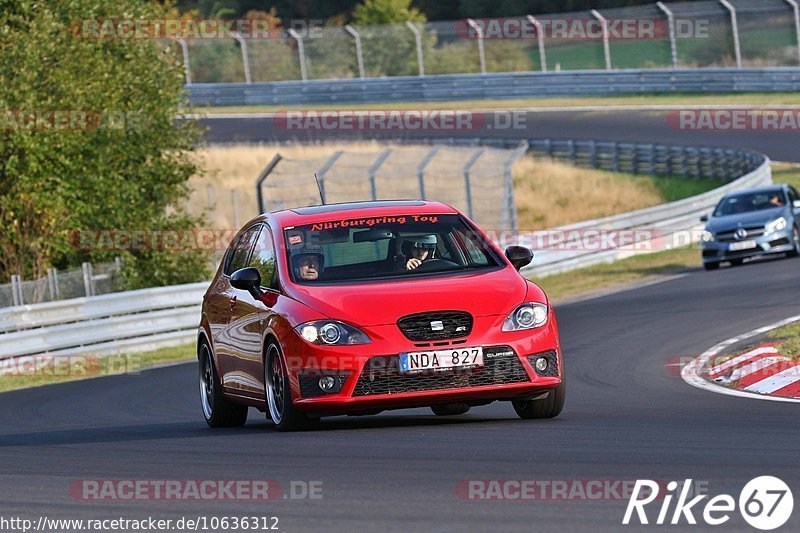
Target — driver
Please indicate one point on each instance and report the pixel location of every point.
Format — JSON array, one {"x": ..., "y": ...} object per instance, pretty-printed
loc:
[
  {"x": 423, "y": 248},
  {"x": 308, "y": 263}
]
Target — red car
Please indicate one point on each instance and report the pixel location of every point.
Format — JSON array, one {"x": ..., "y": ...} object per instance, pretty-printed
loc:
[{"x": 357, "y": 308}]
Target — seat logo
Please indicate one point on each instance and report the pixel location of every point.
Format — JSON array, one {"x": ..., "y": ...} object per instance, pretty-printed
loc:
[{"x": 437, "y": 325}]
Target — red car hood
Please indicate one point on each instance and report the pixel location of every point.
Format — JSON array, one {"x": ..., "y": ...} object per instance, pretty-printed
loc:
[{"x": 372, "y": 304}]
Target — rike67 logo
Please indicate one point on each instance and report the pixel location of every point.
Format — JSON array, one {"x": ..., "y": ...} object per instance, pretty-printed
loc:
[{"x": 765, "y": 503}]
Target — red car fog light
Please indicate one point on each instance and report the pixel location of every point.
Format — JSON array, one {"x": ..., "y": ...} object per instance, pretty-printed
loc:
[
  {"x": 545, "y": 363},
  {"x": 330, "y": 384},
  {"x": 314, "y": 384}
]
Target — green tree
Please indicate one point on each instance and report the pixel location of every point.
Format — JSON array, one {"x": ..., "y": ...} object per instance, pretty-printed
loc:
[
  {"x": 373, "y": 12},
  {"x": 120, "y": 161}
]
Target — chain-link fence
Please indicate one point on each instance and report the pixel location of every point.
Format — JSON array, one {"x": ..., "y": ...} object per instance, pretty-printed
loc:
[
  {"x": 708, "y": 33},
  {"x": 476, "y": 180},
  {"x": 89, "y": 280}
]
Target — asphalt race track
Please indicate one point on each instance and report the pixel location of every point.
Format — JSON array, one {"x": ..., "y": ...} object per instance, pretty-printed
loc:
[
  {"x": 626, "y": 417},
  {"x": 615, "y": 125}
]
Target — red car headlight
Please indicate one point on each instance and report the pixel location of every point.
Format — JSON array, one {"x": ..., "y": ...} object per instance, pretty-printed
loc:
[
  {"x": 526, "y": 316},
  {"x": 331, "y": 333}
]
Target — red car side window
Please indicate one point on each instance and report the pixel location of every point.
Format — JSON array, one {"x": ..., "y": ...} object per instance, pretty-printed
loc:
[{"x": 239, "y": 252}]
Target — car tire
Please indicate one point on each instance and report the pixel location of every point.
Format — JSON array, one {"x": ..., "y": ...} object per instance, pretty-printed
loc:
[
  {"x": 217, "y": 411},
  {"x": 796, "y": 242},
  {"x": 278, "y": 395},
  {"x": 711, "y": 266},
  {"x": 450, "y": 409},
  {"x": 549, "y": 407}
]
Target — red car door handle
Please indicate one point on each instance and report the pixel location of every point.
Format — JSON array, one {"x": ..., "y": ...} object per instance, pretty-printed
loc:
[{"x": 233, "y": 302}]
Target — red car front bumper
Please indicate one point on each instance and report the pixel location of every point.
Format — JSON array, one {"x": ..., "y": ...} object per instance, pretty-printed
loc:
[{"x": 370, "y": 378}]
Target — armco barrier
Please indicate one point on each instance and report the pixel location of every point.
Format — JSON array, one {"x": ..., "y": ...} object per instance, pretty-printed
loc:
[
  {"x": 496, "y": 86},
  {"x": 107, "y": 324}
]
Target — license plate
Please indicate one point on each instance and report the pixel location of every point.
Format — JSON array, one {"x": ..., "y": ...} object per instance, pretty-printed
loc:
[
  {"x": 743, "y": 245},
  {"x": 441, "y": 359}
]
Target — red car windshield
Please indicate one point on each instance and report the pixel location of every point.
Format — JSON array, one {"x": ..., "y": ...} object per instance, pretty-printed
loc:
[{"x": 360, "y": 249}]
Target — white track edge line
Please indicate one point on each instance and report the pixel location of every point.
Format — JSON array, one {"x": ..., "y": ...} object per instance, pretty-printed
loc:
[{"x": 691, "y": 372}]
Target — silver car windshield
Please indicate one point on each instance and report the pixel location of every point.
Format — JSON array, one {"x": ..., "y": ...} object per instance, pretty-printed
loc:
[{"x": 746, "y": 203}]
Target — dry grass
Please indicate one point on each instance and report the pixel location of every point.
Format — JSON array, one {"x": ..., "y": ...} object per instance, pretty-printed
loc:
[
  {"x": 550, "y": 194},
  {"x": 547, "y": 193}
]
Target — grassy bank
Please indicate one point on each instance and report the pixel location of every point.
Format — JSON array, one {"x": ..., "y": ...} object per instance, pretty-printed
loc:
[
  {"x": 24, "y": 373},
  {"x": 750, "y": 99},
  {"x": 606, "y": 277}
]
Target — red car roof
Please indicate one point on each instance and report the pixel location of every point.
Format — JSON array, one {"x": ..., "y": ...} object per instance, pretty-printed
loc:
[{"x": 330, "y": 212}]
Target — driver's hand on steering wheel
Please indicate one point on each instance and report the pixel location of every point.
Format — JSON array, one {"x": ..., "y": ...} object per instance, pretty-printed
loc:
[{"x": 413, "y": 263}]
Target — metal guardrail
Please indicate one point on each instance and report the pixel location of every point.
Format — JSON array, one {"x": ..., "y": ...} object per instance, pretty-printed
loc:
[
  {"x": 101, "y": 325},
  {"x": 496, "y": 86}
]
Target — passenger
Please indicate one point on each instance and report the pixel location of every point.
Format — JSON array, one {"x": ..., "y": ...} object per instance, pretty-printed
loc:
[
  {"x": 423, "y": 248},
  {"x": 308, "y": 264}
]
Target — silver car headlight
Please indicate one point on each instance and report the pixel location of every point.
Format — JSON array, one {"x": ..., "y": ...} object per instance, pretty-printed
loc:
[
  {"x": 331, "y": 333},
  {"x": 526, "y": 316},
  {"x": 706, "y": 236},
  {"x": 776, "y": 225}
]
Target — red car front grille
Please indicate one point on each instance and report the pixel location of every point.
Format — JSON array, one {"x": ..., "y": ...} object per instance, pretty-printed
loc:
[
  {"x": 437, "y": 325},
  {"x": 382, "y": 375}
]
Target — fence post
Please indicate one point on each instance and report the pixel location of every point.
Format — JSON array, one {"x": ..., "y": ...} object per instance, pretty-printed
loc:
[
  {"x": 673, "y": 45},
  {"x": 735, "y": 27},
  {"x": 374, "y": 170},
  {"x": 572, "y": 154},
  {"x": 615, "y": 158},
  {"x": 52, "y": 283},
  {"x": 301, "y": 52},
  {"x": 481, "y": 51},
  {"x": 509, "y": 205},
  {"x": 88, "y": 281},
  {"x": 187, "y": 71},
  {"x": 796, "y": 12},
  {"x": 245, "y": 56},
  {"x": 593, "y": 153},
  {"x": 359, "y": 53},
  {"x": 467, "y": 187},
  {"x": 421, "y": 170},
  {"x": 237, "y": 219},
  {"x": 326, "y": 166},
  {"x": 540, "y": 38},
  {"x": 418, "y": 39},
  {"x": 16, "y": 290},
  {"x": 209, "y": 196},
  {"x": 260, "y": 180},
  {"x": 606, "y": 48}
]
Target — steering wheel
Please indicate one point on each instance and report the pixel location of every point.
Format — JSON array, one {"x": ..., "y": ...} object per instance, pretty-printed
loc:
[{"x": 436, "y": 265}]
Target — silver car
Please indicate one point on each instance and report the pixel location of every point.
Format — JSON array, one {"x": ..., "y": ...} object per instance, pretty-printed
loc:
[{"x": 752, "y": 223}]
